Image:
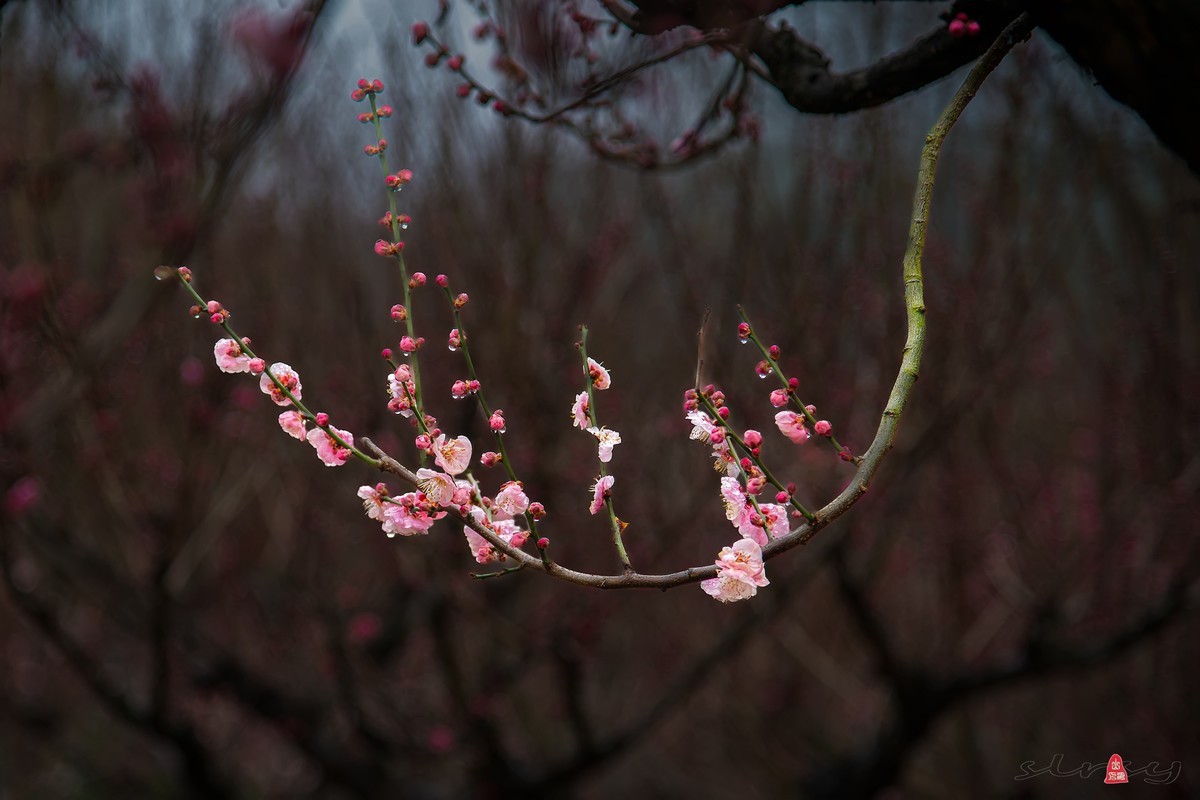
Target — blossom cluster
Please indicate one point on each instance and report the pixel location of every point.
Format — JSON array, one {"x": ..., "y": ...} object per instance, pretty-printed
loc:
[
  {"x": 496, "y": 526},
  {"x": 281, "y": 383}
]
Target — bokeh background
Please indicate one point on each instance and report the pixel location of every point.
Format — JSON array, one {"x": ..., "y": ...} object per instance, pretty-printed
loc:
[{"x": 196, "y": 607}]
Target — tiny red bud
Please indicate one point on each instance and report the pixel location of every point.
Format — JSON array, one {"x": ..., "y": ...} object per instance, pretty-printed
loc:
[
  {"x": 442, "y": 280},
  {"x": 364, "y": 84},
  {"x": 386, "y": 354},
  {"x": 543, "y": 543},
  {"x": 420, "y": 32},
  {"x": 322, "y": 419},
  {"x": 455, "y": 62}
]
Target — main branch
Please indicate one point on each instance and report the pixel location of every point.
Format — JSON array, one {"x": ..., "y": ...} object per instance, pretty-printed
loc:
[{"x": 906, "y": 378}]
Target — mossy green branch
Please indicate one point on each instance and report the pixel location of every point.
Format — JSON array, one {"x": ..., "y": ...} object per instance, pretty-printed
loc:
[{"x": 914, "y": 289}]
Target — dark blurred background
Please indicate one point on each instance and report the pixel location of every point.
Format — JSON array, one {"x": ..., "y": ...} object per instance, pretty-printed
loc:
[{"x": 195, "y": 606}]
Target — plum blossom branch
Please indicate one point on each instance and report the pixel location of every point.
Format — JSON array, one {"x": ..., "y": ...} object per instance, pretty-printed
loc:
[
  {"x": 739, "y": 569},
  {"x": 393, "y": 220},
  {"x": 282, "y": 382},
  {"x": 786, "y": 394},
  {"x": 596, "y": 378}
]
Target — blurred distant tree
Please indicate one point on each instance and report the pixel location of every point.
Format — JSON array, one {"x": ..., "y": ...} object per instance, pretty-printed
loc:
[{"x": 1140, "y": 52}]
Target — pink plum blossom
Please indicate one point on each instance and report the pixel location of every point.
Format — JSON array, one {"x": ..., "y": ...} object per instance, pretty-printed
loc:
[
  {"x": 702, "y": 426},
  {"x": 439, "y": 487},
  {"x": 409, "y": 514},
  {"x": 598, "y": 374},
  {"x": 579, "y": 411},
  {"x": 823, "y": 427},
  {"x": 773, "y": 518},
  {"x": 511, "y": 500},
  {"x": 452, "y": 455},
  {"x": 704, "y": 429},
  {"x": 607, "y": 439},
  {"x": 507, "y": 530},
  {"x": 328, "y": 450},
  {"x": 285, "y": 375},
  {"x": 401, "y": 389},
  {"x": 481, "y": 548},
  {"x": 791, "y": 425},
  {"x": 230, "y": 357},
  {"x": 740, "y": 572},
  {"x": 601, "y": 489},
  {"x": 373, "y": 500},
  {"x": 292, "y": 423},
  {"x": 734, "y": 499}
]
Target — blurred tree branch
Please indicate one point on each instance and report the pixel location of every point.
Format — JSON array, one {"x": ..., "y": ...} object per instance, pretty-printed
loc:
[{"x": 1139, "y": 52}]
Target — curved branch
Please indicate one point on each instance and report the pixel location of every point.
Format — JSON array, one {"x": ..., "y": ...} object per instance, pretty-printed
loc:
[{"x": 905, "y": 378}]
